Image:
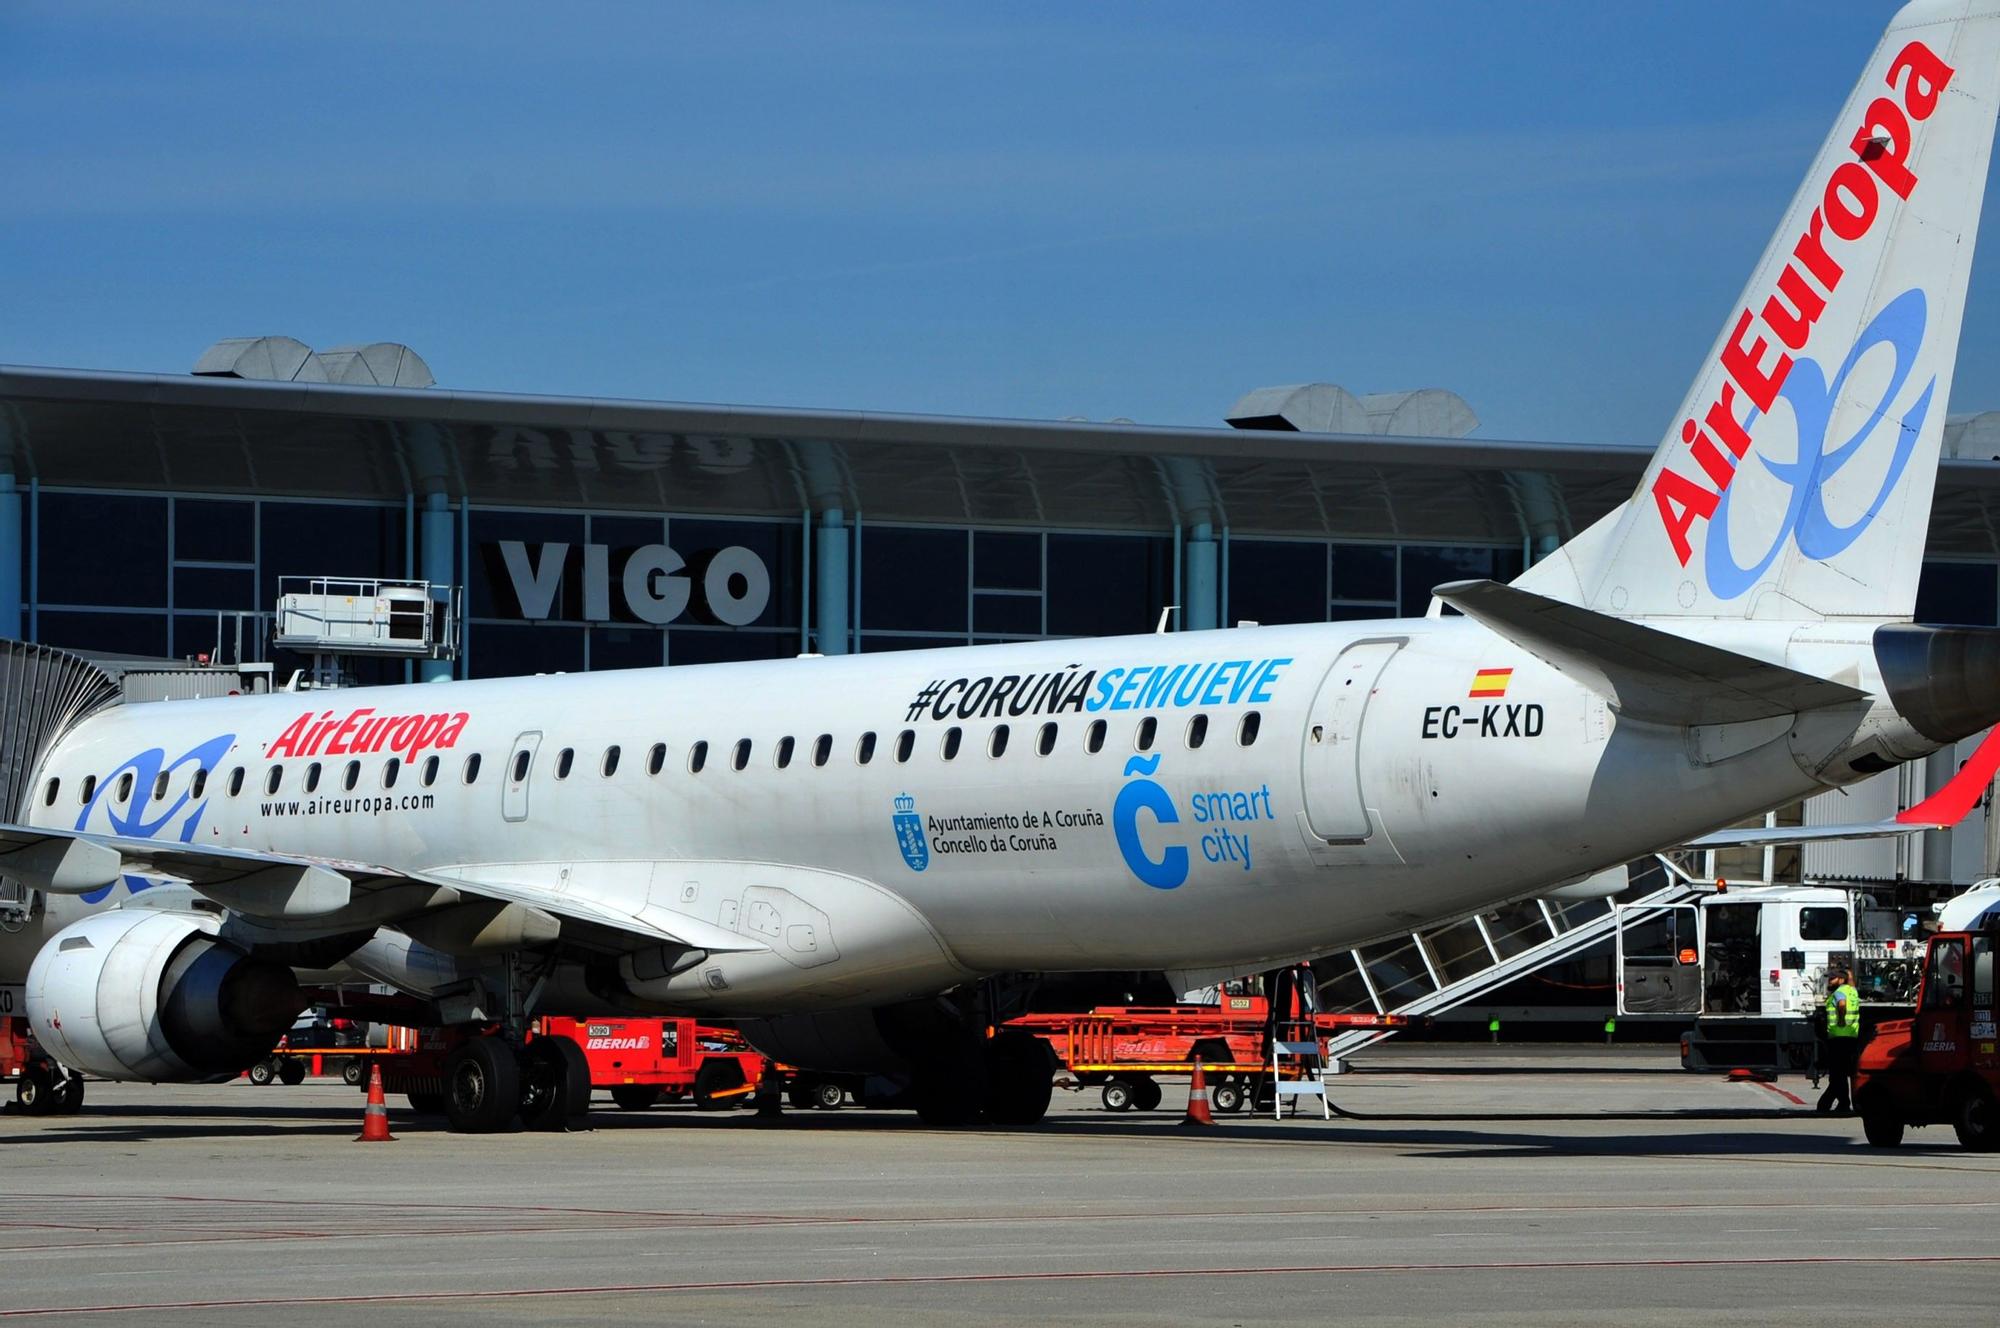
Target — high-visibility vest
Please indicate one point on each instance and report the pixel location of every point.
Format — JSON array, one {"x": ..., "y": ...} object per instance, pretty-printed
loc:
[{"x": 1843, "y": 1012}]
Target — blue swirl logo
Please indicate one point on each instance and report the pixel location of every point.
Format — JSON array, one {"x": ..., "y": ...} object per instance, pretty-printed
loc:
[
  {"x": 1900, "y": 325},
  {"x": 1170, "y": 869},
  {"x": 143, "y": 816}
]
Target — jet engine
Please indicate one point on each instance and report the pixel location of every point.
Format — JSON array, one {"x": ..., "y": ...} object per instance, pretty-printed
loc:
[{"x": 142, "y": 994}]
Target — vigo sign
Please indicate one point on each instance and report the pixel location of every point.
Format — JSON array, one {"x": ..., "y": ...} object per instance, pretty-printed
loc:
[{"x": 735, "y": 585}]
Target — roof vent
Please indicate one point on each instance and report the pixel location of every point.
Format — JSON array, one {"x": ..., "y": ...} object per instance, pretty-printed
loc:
[
  {"x": 285, "y": 360},
  {"x": 1973, "y": 437},
  {"x": 1429, "y": 412}
]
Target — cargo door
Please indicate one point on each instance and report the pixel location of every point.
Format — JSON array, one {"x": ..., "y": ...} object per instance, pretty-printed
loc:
[
  {"x": 1659, "y": 960},
  {"x": 1335, "y": 806},
  {"x": 514, "y": 785}
]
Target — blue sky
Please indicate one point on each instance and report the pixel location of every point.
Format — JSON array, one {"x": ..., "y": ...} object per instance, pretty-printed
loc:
[{"x": 1036, "y": 210}]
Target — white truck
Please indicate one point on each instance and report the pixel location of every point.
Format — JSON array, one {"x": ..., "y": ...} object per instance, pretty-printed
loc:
[{"x": 1750, "y": 965}]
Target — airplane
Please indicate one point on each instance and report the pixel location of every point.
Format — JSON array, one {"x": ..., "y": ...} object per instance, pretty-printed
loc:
[{"x": 863, "y": 860}]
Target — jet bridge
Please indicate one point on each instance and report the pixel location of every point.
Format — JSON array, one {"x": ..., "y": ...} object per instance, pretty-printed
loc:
[{"x": 1454, "y": 963}]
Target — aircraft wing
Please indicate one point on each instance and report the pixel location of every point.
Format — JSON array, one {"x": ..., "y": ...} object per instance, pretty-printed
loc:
[
  {"x": 1775, "y": 836},
  {"x": 326, "y": 895}
]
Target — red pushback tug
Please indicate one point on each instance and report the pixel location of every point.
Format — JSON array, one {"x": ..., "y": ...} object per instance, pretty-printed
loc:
[
  {"x": 41, "y": 1087},
  {"x": 642, "y": 1062},
  {"x": 1939, "y": 1066}
]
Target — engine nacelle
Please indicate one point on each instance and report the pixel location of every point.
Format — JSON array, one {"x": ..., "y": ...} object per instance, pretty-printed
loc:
[{"x": 141, "y": 994}]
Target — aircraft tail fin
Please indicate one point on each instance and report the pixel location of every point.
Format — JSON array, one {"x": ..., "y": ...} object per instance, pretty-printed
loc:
[{"x": 1796, "y": 481}]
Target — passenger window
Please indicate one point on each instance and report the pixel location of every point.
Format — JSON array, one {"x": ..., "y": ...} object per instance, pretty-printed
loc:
[
  {"x": 196, "y": 787},
  {"x": 125, "y": 787},
  {"x": 351, "y": 776},
  {"x": 610, "y": 761},
  {"x": 564, "y": 760},
  {"x": 312, "y": 777},
  {"x": 89, "y": 787},
  {"x": 950, "y": 746},
  {"x": 697, "y": 757},
  {"x": 236, "y": 781},
  {"x": 1148, "y": 728},
  {"x": 430, "y": 774},
  {"x": 906, "y": 745},
  {"x": 390, "y": 769},
  {"x": 1093, "y": 738},
  {"x": 520, "y": 766},
  {"x": 472, "y": 768},
  {"x": 49, "y": 796},
  {"x": 996, "y": 741},
  {"x": 1246, "y": 729},
  {"x": 1045, "y": 741},
  {"x": 1197, "y": 732},
  {"x": 822, "y": 749},
  {"x": 160, "y": 787},
  {"x": 742, "y": 758},
  {"x": 1822, "y": 924},
  {"x": 656, "y": 759},
  {"x": 781, "y": 755},
  {"x": 272, "y": 777},
  {"x": 864, "y": 751}
]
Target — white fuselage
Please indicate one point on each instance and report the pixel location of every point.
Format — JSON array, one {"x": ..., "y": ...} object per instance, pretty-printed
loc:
[{"x": 1388, "y": 781}]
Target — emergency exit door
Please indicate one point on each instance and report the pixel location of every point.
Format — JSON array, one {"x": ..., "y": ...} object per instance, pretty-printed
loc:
[
  {"x": 1335, "y": 805},
  {"x": 514, "y": 779}
]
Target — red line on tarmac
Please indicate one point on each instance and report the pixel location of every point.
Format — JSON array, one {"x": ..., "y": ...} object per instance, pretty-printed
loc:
[
  {"x": 958, "y": 1279},
  {"x": 1784, "y": 1093}
]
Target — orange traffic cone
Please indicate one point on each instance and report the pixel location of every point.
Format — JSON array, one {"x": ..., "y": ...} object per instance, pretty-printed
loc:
[
  {"x": 1197, "y": 1108},
  {"x": 375, "y": 1118}
]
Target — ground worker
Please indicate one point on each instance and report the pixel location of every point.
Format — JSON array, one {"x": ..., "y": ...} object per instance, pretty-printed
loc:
[{"x": 1843, "y": 1043}]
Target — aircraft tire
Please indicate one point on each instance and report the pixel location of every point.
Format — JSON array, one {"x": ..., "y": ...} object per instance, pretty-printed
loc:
[
  {"x": 69, "y": 1097},
  {"x": 291, "y": 1072},
  {"x": 555, "y": 1084},
  {"x": 35, "y": 1091},
  {"x": 482, "y": 1079},
  {"x": 1019, "y": 1079},
  {"x": 426, "y": 1104},
  {"x": 951, "y": 1091}
]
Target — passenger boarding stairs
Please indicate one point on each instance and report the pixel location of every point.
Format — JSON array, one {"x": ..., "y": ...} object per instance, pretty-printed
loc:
[{"x": 1454, "y": 963}]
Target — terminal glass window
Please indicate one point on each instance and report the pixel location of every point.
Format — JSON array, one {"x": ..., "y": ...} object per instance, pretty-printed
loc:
[
  {"x": 1277, "y": 581},
  {"x": 1101, "y": 585},
  {"x": 1963, "y": 593},
  {"x": 1427, "y": 565},
  {"x": 101, "y": 549},
  {"x": 913, "y": 579}
]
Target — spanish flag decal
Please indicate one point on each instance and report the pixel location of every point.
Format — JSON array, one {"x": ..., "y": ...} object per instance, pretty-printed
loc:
[{"x": 1488, "y": 683}]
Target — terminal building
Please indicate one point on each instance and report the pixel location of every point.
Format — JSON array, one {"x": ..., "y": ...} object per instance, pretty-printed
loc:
[{"x": 157, "y": 515}]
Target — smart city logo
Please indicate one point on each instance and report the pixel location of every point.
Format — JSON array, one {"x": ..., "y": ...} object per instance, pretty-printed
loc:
[
  {"x": 910, "y": 833},
  {"x": 138, "y": 814},
  {"x": 1149, "y": 797}
]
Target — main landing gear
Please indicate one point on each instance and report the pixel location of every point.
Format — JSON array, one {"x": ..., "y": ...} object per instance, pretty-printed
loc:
[
  {"x": 491, "y": 1082},
  {"x": 1005, "y": 1080}
]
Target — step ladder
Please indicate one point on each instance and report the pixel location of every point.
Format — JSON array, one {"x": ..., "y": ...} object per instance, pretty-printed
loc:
[{"x": 1294, "y": 1043}]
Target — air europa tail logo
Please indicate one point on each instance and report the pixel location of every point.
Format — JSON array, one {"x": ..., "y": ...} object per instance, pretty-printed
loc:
[
  {"x": 1756, "y": 355},
  {"x": 360, "y": 732}
]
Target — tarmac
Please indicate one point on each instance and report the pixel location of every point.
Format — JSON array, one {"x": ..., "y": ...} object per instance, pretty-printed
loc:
[{"x": 1487, "y": 1185}]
